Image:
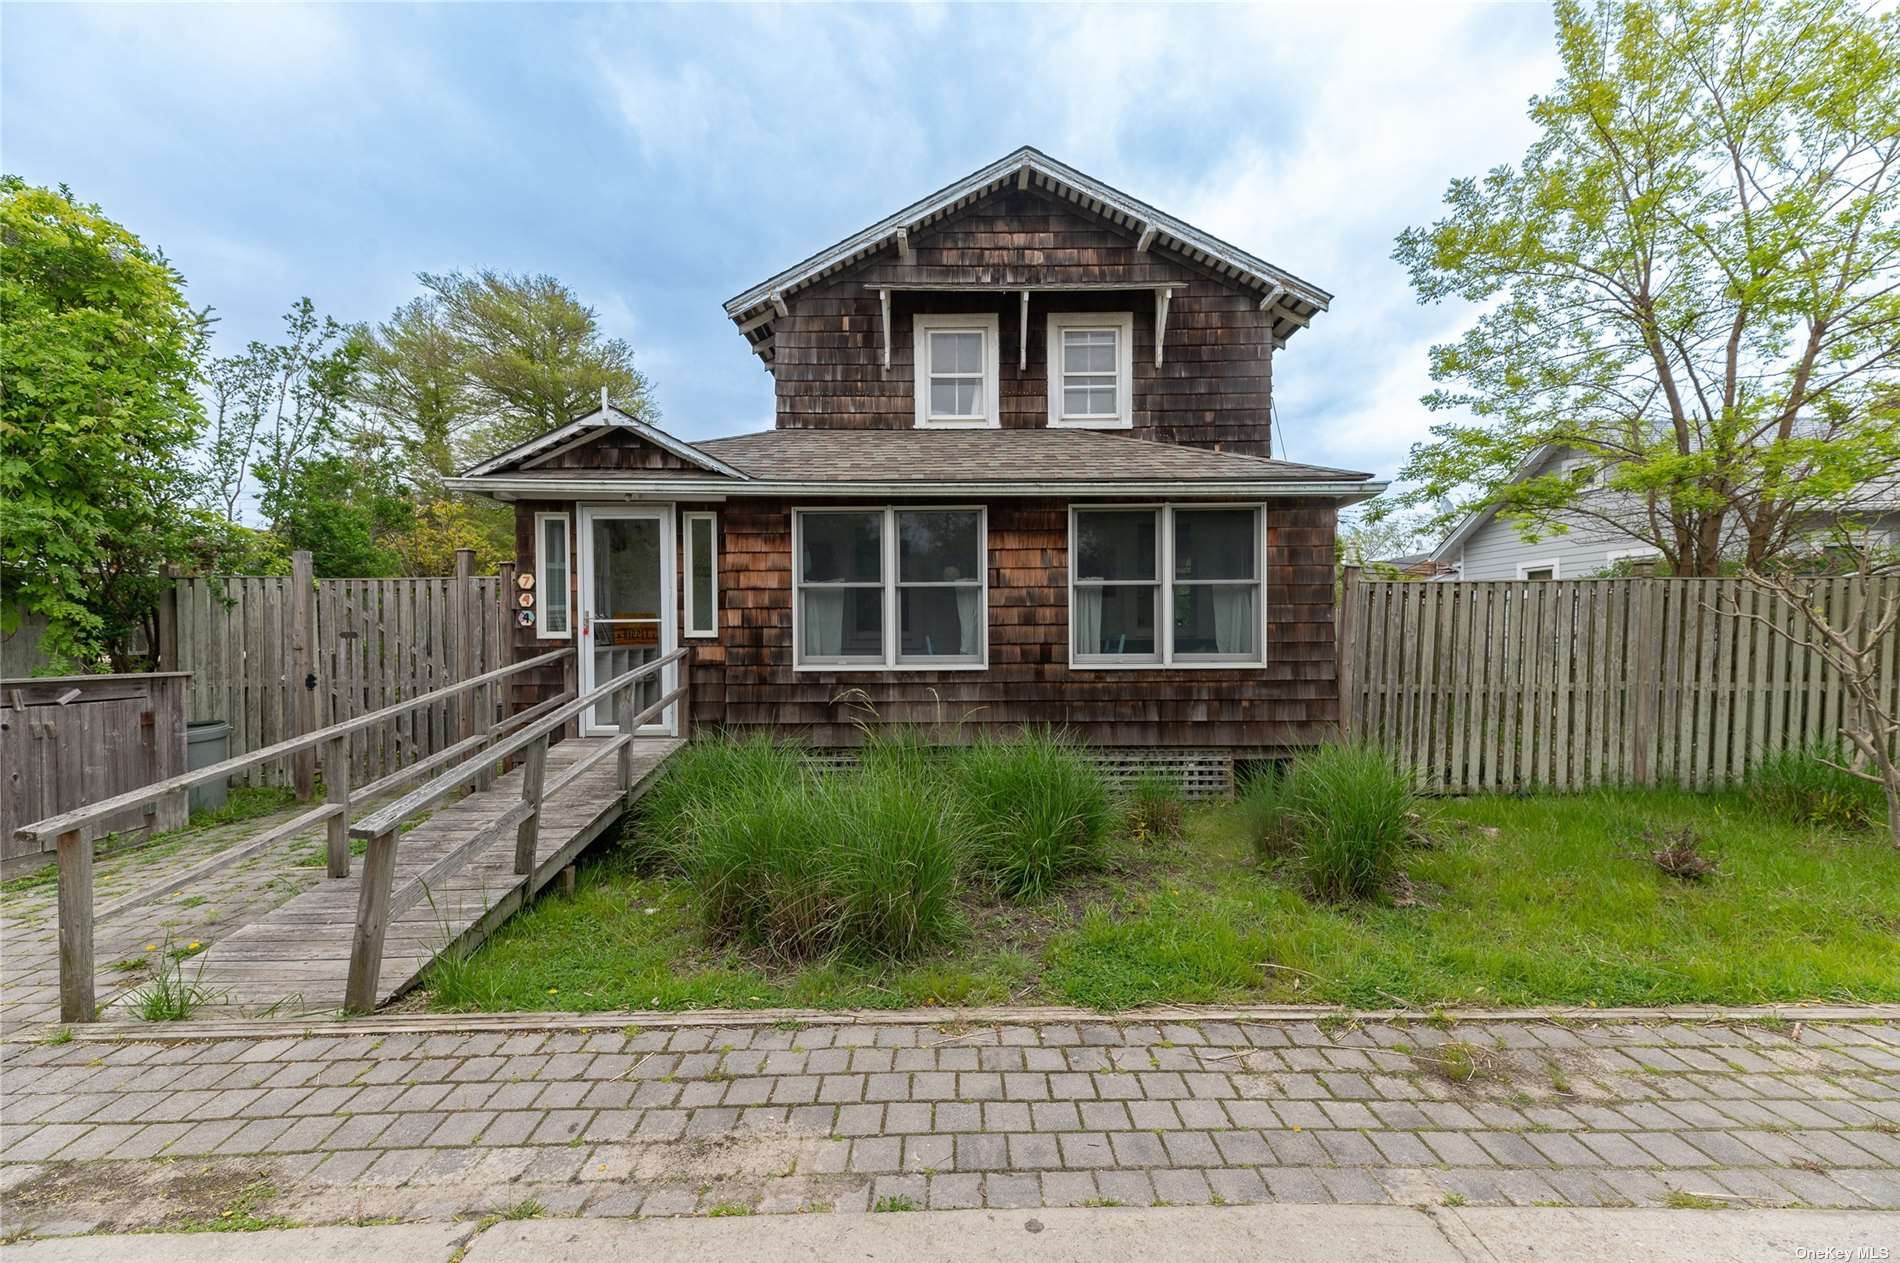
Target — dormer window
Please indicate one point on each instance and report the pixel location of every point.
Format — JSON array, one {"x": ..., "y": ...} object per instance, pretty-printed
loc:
[
  {"x": 1091, "y": 369},
  {"x": 956, "y": 372}
]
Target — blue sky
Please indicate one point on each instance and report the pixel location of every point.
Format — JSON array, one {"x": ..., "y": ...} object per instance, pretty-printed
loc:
[{"x": 661, "y": 159}]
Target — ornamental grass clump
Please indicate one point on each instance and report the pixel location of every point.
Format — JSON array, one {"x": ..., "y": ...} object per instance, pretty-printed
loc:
[
  {"x": 1345, "y": 813},
  {"x": 896, "y": 849},
  {"x": 1156, "y": 808},
  {"x": 1036, "y": 809},
  {"x": 804, "y": 862},
  {"x": 701, "y": 775},
  {"x": 1807, "y": 785}
]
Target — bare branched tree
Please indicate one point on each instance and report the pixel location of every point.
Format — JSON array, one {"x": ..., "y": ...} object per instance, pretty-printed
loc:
[{"x": 1852, "y": 640}]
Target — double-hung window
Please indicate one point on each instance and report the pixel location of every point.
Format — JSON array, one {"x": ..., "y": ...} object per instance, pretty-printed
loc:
[
  {"x": 551, "y": 576},
  {"x": 885, "y": 588},
  {"x": 1171, "y": 585},
  {"x": 956, "y": 371},
  {"x": 1091, "y": 369}
]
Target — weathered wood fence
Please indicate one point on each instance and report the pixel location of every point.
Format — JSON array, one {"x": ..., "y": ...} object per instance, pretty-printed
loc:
[
  {"x": 278, "y": 656},
  {"x": 66, "y": 741},
  {"x": 1498, "y": 685}
]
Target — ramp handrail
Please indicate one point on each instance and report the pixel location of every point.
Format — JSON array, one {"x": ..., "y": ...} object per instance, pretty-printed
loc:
[
  {"x": 74, "y": 831},
  {"x": 378, "y": 903}
]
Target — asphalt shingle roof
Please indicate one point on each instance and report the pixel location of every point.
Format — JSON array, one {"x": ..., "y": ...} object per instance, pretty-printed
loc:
[{"x": 1083, "y": 456}]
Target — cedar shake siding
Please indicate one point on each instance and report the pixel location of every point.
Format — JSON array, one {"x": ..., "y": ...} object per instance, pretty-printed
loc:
[
  {"x": 1212, "y": 389},
  {"x": 745, "y": 680}
]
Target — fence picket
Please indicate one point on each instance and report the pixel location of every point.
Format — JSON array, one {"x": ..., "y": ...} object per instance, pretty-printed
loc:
[{"x": 1496, "y": 685}]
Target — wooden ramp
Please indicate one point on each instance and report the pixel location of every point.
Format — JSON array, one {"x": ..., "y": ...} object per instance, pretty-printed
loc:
[{"x": 296, "y": 959}]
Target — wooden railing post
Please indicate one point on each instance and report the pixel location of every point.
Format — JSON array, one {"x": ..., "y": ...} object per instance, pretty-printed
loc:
[
  {"x": 75, "y": 926},
  {"x": 534, "y": 770},
  {"x": 685, "y": 703},
  {"x": 623, "y": 723},
  {"x": 466, "y": 637},
  {"x": 484, "y": 703},
  {"x": 336, "y": 789},
  {"x": 303, "y": 670},
  {"x": 372, "y": 924}
]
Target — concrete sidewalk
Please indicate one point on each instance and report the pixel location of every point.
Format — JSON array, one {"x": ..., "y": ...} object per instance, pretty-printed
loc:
[{"x": 1099, "y": 1235}]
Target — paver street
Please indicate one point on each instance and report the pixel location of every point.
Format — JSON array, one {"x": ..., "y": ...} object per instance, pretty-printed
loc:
[{"x": 684, "y": 1118}]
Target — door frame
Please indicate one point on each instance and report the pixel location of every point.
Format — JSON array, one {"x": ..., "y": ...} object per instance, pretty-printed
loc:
[{"x": 585, "y": 515}]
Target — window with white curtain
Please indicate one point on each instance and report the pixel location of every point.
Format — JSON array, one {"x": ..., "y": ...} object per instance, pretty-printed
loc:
[
  {"x": 1091, "y": 369},
  {"x": 890, "y": 588},
  {"x": 1168, "y": 585},
  {"x": 551, "y": 584},
  {"x": 956, "y": 371}
]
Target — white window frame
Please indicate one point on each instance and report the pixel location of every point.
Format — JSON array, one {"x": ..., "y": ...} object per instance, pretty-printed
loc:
[
  {"x": 687, "y": 626},
  {"x": 888, "y": 580},
  {"x": 1166, "y": 659},
  {"x": 1122, "y": 325},
  {"x": 541, "y": 588},
  {"x": 990, "y": 392},
  {"x": 1553, "y": 564}
]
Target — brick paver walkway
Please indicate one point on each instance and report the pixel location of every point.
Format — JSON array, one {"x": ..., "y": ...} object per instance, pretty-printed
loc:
[
  {"x": 697, "y": 1118},
  {"x": 204, "y": 911}
]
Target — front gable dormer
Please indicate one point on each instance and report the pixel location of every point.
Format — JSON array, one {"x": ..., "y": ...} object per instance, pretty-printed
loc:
[{"x": 1029, "y": 295}]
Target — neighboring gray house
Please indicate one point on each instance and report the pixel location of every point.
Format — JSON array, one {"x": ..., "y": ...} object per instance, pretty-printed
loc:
[{"x": 1485, "y": 546}]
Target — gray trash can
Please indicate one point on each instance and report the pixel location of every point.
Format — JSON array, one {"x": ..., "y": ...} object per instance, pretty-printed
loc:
[{"x": 207, "y": 743}]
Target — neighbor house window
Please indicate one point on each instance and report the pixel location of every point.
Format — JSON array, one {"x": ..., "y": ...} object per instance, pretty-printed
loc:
[
  {"x": 702, "y": 574},
  {"x": 1175, "y": 585},
  {"x": 883, "y": 588},
  {"x": 1544, "y": 569},
  {"x": 1091, "y": 369},
  {"x": 551, "y": 584},
  {"x": 956, "y": 371}
]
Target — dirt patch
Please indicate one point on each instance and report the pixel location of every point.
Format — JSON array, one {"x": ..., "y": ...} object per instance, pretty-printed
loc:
[{"x": 147, "y": 1194}]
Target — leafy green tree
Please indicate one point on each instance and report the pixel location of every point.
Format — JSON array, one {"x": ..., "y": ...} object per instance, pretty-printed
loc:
[
  {"x": 311, "y": 378},
  {"x": 348, "y": 505},
  {"x": 98, "y": 349},
  {"x": 415, "y": 380},
  {"x": 533, "y": 357},
  {"x": 1692, "y": 278}
]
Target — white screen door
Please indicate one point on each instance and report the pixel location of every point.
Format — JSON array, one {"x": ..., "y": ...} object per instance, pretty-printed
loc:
[{"x": 627, "y": 608}]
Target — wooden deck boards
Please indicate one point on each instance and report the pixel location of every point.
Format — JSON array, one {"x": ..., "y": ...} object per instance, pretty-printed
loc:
[{"x": 296, "y": 958}]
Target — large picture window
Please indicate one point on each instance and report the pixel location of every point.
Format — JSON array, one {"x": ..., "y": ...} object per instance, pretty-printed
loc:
[
  {"x": 886, "y": 588},
  {"x": 551, "y": 583},
  {"x": 1169, "y": 585},
  {"x": 956, "y": 371},
  {"x": 1091, "y": 369}
]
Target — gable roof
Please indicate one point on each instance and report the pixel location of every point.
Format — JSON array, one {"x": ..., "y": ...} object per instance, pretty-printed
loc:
[
  {"x": 1532, "y": 465},
  {"x": 584, "y": 430},
  {"x": 1292, "y": 299},
  {"x": 1002, "y": 463}
]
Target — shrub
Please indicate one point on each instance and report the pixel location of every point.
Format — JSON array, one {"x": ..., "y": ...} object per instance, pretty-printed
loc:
[
  {"x": 1802, "y": 783},
  {"x": 1156, "y": 807},
  {"x": 1036, "y": 809},
  {"x": 1345, "y": 811}
]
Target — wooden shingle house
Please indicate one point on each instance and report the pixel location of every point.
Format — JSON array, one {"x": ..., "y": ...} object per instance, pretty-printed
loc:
[{"x": 1022, "y": 473}]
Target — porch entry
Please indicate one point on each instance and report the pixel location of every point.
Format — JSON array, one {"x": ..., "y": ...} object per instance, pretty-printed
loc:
[{"x": 627, "y": 607}]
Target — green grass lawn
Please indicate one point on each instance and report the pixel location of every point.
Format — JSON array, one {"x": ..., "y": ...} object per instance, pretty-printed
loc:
[{"x": 1517, "y": 901}]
